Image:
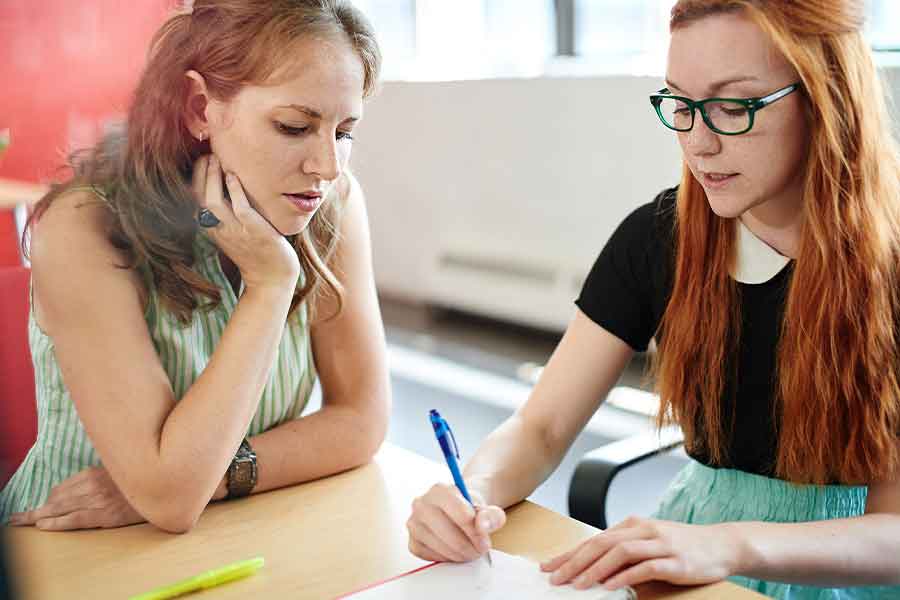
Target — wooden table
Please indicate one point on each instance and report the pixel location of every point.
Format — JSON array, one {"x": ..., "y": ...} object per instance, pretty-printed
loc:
[
  {"x": 14, "y": 192},
  {"x": 319, "y": 539}
]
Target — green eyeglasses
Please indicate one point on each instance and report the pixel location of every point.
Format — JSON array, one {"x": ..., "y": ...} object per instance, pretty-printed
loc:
[{"x": 726, "y": 116}]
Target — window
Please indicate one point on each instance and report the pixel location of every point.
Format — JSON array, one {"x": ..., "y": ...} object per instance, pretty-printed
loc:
[
  {"x": 621, "y": 27},
  {"x": 462, "y": 39},
  {"x": 473, "y": 39},
  {"x": 395, "y": 25},
  {"x": 883, "y": 24}
]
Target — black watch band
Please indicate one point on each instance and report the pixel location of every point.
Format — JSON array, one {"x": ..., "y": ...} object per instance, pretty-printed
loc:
[{"x": 242, "y": 472}]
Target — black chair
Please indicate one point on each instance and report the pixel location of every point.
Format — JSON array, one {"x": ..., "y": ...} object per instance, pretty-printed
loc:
[{"x": 589, "y": 489}]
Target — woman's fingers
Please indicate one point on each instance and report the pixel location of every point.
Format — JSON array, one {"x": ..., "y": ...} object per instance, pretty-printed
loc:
[
  {"x": 45, "y": 511},
  {"x": 620, "y": 557},
  {"x": 453, "y": 525},
  {"x": 445, "y": 547},
  {"x": 79, "y": 519},
  {"x": 61, "y": 501},
  {"x": 489, "y": 519},
  {"x": 240, "y": 204},
  {"x": 419, "y": 549},
  {"x": 585, "y": 555},
  {"x": 444, "y": 523},
  {"x": 557, "y": 561},
  {"x": 213, "y": 197},
  {"x": 198, "y": 180},
  {"x": 659, "y": 569}
]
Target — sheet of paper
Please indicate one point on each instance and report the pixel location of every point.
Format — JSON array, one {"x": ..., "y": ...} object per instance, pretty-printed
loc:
[{"x": 510, "y": 577}]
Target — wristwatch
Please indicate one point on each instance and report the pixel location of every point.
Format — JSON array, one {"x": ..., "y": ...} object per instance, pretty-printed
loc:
[{"x": 242, "y": 472}]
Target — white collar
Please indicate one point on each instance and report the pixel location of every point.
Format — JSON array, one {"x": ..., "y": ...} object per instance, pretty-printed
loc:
[{"x": 756, "y": 261}]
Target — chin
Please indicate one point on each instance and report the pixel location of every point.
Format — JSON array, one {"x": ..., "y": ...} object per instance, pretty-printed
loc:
[
  {"x": 726, "y": 206},
  {"x": 288, "y": 228}
]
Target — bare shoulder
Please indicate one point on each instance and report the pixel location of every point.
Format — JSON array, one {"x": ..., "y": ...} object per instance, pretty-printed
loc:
[
  {"x": 77, "y": 223},
  {"x": 72, "y": 258}
]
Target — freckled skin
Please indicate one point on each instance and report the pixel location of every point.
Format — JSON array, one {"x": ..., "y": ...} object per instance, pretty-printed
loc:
[{"x": 327, "y": 76}]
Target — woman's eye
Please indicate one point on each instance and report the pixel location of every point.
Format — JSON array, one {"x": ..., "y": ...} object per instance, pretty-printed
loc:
[
  {"x": 288, "y": 130},
  {"x": 344, "y": 135}
]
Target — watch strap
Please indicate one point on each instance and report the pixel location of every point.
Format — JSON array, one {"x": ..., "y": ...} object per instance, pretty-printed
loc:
[{"x": 242, "y": 472}]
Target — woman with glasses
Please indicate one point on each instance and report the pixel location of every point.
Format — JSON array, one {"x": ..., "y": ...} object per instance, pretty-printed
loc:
[{"x": 769, "y": 279}]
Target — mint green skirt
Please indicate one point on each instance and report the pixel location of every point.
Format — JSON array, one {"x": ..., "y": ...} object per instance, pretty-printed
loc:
[{"x": 702, "y": 495}]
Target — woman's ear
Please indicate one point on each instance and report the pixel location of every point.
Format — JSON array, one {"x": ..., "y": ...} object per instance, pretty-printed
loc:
[{"x": 196, "y": 119}]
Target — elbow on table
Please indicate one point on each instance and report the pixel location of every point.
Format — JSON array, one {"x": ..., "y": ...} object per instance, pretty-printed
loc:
[
  {"x": 370, "y": 438},
  {"x": 174, "y": 519},
  {"x": 176, "y": 523},
  {"x": 175, "y": 512}
]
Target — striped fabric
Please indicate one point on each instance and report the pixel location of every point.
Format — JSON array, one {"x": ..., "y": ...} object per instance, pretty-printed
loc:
[{"x": 63, "y": 449}]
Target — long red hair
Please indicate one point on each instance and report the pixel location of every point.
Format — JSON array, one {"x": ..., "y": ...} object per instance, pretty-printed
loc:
[{"x": 837, "y": 405}]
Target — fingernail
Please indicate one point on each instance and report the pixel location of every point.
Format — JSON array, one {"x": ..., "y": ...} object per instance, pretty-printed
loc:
[
  {"x": 556, "y": 577},
  {"x": 582, "y": 582}
]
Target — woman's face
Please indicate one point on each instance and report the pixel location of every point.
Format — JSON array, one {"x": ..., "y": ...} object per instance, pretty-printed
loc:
[
  {"x": 289, "y": 142},
  {"x": 729, "y": 56}
]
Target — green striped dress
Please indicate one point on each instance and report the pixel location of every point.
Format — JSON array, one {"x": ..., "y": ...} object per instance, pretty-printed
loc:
[{"x": 63, "y": 449}]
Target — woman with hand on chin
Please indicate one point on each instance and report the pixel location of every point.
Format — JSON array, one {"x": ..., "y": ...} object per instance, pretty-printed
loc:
[
  {"x": 769, "y": 278},
  {"x": 199, "y": 271}
]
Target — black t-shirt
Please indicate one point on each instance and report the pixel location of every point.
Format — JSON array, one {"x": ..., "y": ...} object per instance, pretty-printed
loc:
[{"x": 626, "y": 293}]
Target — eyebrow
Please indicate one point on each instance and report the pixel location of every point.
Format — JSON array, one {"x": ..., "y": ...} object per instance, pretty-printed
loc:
[
  {"x": 314, "y": 113},
  {"x": 718, "y": 84}
]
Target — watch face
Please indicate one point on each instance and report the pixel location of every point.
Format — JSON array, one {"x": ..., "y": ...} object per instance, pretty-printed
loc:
[{"x": 243, "y": 472}]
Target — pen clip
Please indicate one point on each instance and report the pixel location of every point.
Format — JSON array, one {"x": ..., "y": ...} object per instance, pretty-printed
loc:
[{"x": 452, "y": 439}]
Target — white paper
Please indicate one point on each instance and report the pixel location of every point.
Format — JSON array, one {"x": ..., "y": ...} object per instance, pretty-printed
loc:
[{"x": 510, "y": 577}]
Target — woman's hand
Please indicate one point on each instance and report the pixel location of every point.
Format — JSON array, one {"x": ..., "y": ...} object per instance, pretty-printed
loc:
[
  {"x": 86, "y": 500},
  {"x": 444, "y": 527},
  {"x": 263, "y": 256},
  {"x": 638, "y": 550}
]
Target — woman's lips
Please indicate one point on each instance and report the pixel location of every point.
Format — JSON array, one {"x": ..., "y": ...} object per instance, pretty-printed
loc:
[
  {"x": 304, "y": 202},
  {"x": 717, "y": 181}
]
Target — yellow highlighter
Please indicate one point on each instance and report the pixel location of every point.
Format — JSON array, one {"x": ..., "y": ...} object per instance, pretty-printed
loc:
[{"x": 205, "y": 580}]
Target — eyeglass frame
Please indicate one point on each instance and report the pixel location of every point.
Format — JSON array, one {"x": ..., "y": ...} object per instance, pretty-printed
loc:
[{"x": 751, "y": 104}]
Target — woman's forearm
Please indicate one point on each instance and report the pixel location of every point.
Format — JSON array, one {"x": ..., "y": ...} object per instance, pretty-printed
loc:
[
  {"x": 861, "y": 550},
  {"x": 511, "y": 462},
  {"x": 201, "y": 434},
  {"x": 331, "y": 440}
]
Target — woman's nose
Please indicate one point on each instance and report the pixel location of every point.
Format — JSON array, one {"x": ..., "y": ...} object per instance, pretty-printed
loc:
[{"x": 323, "y": 160}]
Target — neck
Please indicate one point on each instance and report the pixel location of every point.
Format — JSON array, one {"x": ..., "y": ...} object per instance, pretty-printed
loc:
[{"x": 778, "y": 222}]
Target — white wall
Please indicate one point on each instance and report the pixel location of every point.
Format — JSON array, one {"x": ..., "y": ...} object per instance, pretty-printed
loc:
[{"x": 496, "y": 195}]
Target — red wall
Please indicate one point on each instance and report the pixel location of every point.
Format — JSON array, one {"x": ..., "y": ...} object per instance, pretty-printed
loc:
[{"x": 67, "y": 67}]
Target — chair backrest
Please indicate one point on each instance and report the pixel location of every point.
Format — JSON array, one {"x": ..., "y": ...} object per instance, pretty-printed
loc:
[{"x": 18, "y": 414}]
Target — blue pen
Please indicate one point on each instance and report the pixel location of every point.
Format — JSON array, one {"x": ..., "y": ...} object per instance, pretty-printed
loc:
[{"x": 444, "y": 436}]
